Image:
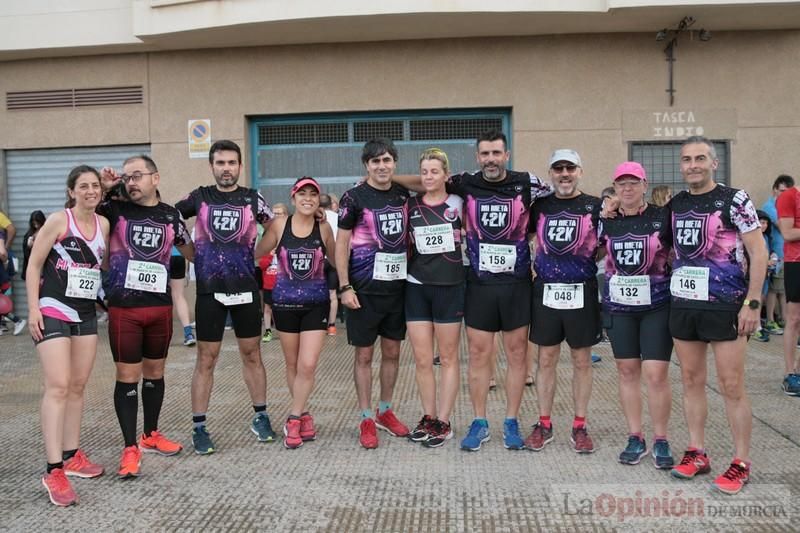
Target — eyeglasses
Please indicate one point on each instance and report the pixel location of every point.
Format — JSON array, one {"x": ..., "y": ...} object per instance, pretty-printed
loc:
[
  {"x": 628, "y": 183},
  {"x": 135, "y": 177},
  {"x": 559, "y": 168}
]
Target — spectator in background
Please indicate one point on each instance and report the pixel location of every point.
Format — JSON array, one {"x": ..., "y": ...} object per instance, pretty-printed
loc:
[
  {"x": 326, "y": 202},
  {"x": 177, "y": 282},
  {"x": 268, "y": 264},
  {"x": 762, "y": 333},
  {"x": 35, "y": 223},
  {"x": 7, "y": 270},
  {"x": 776, "y": 291},
  {"x": 7, "y": 233},
  {"x": 660, "y": 195},
  {"x": 788, "y": 207},
  {"x": 280, "y": 210}
]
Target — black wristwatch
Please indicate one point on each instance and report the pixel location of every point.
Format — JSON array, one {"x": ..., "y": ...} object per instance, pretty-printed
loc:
[
  {"x": 344, "y": 288},
  {"x": 753, "y": 304}
]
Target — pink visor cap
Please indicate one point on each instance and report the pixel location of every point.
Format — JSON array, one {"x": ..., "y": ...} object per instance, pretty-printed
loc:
[
  {"x": 303, "y": 182},
  {"x": 630, "y": 168}
]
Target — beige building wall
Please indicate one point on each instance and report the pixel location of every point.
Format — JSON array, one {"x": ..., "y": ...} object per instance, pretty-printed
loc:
[{"x": 589, "y": 92}]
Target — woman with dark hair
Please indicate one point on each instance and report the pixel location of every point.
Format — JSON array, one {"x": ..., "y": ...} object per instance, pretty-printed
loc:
[
  {"x": 62, "y": 281},
  {"x": 300, "y": 300},
  {"x": 34, "y": 225}
]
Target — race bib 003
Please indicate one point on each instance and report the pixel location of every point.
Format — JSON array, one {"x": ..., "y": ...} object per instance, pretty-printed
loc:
[{"x": 146, "y": 276}]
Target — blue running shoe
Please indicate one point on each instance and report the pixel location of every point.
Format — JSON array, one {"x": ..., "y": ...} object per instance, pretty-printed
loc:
[
  {"x": 634, "y": 451},
  {"x": 511, "y": 437},
  {"x": 596, "y": 358},
  {"x": 262, "y": 428},
  {"x": 662, "y": 455},
  {"x": 201, "y": 440},
  {"x": 478, "y": 434}
]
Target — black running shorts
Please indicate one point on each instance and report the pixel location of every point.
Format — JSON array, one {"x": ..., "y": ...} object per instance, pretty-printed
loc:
[
  {"x": 579, "y": 327},
  {"x": 210, "y": 316},
  {"x": 56, "y": 329},
  {"x": 299, "y": 320},
  {"x": 791, "y": 277},
  {"x": 380, "y": 315},
  {"x": 442, "y": 304},
  {"x": 705, "y": 325},
  {"x": 497, "y": 307},
  {"x": 642, "y": 335},
  {"x": 177, "y": 267}
]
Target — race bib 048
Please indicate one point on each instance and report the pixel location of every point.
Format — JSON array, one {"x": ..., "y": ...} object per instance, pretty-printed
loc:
[{"x": 563, "y": 295}]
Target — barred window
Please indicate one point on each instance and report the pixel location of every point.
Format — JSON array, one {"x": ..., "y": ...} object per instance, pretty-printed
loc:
[{"x": 661, "y": 160}]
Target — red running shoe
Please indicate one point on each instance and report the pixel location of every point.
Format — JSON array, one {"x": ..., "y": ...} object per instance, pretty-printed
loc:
[
  {"x": 581, "y": 441},
  {"x": 59, "y": 488},
  {"x": 307, "y": 429},
  {"x": 130, "y": 462},
  {"x": 80, "y": 466},
  {"x": 388, "y": 422},
  {"x": 692, "y": 464},
  {"x": 540, "y": 436},
  {"x": 291, "y": 429},
  {"x": 734, "y": 478},
  {"x": 158, "y": 443},
  {"x": 368, "y": 434}
]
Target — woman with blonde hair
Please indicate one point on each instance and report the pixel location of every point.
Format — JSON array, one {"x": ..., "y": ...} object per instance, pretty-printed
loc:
[
  {"x": 435, "y": 295},
  {"x": 661, "y": 195}
]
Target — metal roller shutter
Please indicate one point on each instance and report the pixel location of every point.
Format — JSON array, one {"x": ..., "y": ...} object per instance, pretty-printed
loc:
[{"x": 37, "y": 180}]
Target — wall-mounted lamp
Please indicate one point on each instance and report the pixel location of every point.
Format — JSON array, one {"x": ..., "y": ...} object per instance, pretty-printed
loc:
[{"x": 672, "y": 34}]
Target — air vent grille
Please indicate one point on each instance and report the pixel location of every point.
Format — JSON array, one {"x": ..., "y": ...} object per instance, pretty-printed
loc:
[{"x": 65, "y": 98}]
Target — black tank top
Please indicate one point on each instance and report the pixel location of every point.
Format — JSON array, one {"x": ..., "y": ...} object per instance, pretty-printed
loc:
[{"x": 301, "y": 281}]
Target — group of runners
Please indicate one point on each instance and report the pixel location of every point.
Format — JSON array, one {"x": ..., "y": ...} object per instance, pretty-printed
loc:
[{"x": 688, "y": 274}]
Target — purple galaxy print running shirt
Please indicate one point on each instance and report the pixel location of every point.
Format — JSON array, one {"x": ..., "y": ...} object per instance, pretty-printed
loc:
[
  {"x": 637, "y": 256},
  {"x": 566, "y": 238},
  {"x": 378, "y": 220},
  {"x": 496, "y": 217},
  {"x": 706, "y": 232},
  {"x": 301, "y": 281},
  {"x": 225, "y": 235},
  {"x": 143, "y": 234}
]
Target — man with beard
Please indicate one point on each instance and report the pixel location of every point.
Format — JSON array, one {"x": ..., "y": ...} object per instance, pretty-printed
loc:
[
  {"x": 143, "y": 231},
  {"x": 225, "y": 234},
  {"x": 565, "y": 302}
]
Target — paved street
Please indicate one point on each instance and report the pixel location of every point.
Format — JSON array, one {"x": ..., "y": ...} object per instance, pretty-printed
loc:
[{"x": 334, "y": 485}]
